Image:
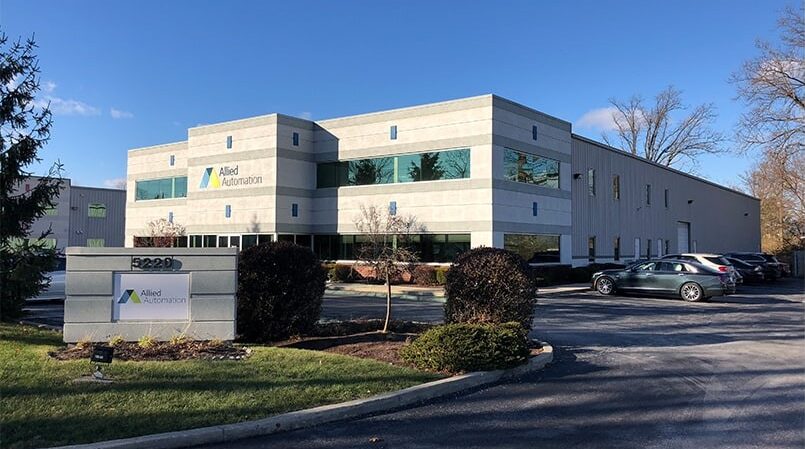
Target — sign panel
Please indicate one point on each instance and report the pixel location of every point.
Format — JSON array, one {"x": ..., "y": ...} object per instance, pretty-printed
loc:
[{"x": 151, "y": 296}]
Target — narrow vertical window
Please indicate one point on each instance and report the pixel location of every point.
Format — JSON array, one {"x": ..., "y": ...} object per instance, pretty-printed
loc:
[
  {"x": 667, "y": 246},
  {"x": 591, "y": 249},
  {"x": 296, "y": 139},
  {"x": 294, "y": 210},
  {"x": 648, "y": 248},
  {"x": 666, "y": 198},
  {"x": 616, "y": 187},
  {"x": 392, "y": 208},
  {"x": 393, "y": 132},
  {"x": 616, "y": 248},
  {"x": 228, "y": 142},
  {"x": 535, "y": 208},
  {"x": 228, "y": 211},
  {"x": 170, "y": 217},
  {"x": 591, "y": 181},
  {"x": 648, "y": 194},
  {"x": 172, "y": 160},
  {"x": 534, "y": 132}
]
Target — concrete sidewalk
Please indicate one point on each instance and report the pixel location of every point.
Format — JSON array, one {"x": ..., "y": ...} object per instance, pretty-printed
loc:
[{"x": 413, "y": 292}]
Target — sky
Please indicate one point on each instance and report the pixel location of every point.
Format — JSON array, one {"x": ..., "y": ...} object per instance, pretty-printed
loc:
[{"x": 122, "y": 75}]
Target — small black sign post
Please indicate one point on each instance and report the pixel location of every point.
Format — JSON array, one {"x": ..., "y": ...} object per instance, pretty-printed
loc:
[{"x": 101, "y": 354}]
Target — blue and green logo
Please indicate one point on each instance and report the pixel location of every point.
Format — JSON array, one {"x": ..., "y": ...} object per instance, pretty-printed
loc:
[
  {"x": 129, "y": 294},
  {"x": 210, "y": 179}
]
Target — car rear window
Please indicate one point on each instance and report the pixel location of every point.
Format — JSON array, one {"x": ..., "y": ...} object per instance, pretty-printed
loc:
[
  {"x": 717, "y": 260},
  {"x": 739, "y": 263},
  {"x": 750, "y": 257}
]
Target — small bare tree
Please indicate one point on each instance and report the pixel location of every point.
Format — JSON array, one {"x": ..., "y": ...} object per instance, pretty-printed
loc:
[
  {"x": 162, "y": 234},
  {"x": 387, "y": 248},
  {"x": 653, "y": 131}
]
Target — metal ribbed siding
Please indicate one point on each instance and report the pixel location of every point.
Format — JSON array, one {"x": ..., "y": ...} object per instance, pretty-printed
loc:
[
  {"x": 111, "y": 228},
  {"x": 717, "y": 215}
]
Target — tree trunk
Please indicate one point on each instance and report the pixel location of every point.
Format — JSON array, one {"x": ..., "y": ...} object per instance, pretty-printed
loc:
[{"x": 388, "y": 304}]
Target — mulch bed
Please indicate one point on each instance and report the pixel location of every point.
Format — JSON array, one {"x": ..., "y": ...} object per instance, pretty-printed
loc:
[
  {"x": 343, "y": 328},
  {"x": 384, "y": 351},
  {"x": 160, "y": 351}
]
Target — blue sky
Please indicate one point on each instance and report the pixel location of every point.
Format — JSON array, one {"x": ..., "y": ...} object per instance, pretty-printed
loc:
[{"x": 122, "y": 75}]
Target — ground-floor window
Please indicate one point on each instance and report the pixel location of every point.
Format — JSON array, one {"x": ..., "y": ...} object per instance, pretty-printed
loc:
[
  {"x": 429, "y": 247},
  {"x": 534, "y": 248},
  {"x": 616, "y": 249},
  {"x": 147, "y": 242},
  {"x": 95, "y": 243}
]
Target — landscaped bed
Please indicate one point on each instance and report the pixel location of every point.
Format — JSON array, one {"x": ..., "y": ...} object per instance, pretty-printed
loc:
[{"x": 41, "y": 404}]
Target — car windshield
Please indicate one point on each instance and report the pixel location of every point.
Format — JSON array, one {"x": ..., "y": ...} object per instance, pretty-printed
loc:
[
  {"x": 717, "y": 260},
  {"x": 739, "y": 263},
  {"x": 769, "y": 258},
  {"x": 751, "y": 257}
]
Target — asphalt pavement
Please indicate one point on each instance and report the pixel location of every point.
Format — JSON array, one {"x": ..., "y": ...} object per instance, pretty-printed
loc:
[{"x": 629, "y": 372}]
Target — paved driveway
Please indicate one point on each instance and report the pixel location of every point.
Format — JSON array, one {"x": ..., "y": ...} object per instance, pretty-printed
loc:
[{"x": 629, "y": 373}]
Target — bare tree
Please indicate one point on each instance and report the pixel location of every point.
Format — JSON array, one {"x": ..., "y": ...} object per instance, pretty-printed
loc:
[
  {"x": 161, "y": 234},
  {"x": 387, "y": 246},
  {"x": 773, "y": 88},
  {"x": 655, "y": 133}
]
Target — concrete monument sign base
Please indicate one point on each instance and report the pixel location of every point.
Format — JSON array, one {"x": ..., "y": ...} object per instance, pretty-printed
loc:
[{"x": 157, "y": 292}]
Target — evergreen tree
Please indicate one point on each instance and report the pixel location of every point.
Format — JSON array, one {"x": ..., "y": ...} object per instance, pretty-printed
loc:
[{"x": 24, "y": 130}]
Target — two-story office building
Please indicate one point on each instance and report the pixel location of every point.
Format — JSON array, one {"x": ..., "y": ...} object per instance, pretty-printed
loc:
[{"x": 474, "y": 171}]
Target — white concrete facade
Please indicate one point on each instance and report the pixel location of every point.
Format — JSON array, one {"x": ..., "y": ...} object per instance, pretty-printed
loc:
[{"x": 268, "y": 185}]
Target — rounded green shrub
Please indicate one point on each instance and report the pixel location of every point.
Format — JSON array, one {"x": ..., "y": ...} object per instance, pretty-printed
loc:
[
  {"x": 441, "y": 275},
  {"x": 468, "y": 347},
  {"x": 490, "y": 285},
  {"x": 280, "y": 289}
]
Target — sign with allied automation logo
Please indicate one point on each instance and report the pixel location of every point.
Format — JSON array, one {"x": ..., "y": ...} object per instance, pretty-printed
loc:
[
  {"x": 151, "y": 296},
  {"x": 226, "y": 176}
]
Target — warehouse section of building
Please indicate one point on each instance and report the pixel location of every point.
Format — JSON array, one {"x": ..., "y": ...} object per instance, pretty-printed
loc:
[{"x": 474, "y": 171}]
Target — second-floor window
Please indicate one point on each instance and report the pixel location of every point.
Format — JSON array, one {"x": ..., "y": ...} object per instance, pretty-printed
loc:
[
  {"x": 591, "y": 181},
  {"x": 97, "y": 210},
  {"x": 530, "y": 169},
  {"x": 158, "y": 189},
  {"x": 616, "y": 187}
]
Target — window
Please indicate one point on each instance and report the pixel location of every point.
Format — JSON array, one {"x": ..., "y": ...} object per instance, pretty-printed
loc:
[
  {"x": 648, "y": 194},
  {"x": 530, "y": 169},
  {"x": 534, "y": 248},
  {"x": 534, "y": 208},
  {"x": 95, "y": 243},
  {"x": 393, "y": 132},
  {"x": 591, "y": 249},
  {"x": 294, "y": 210},
  {"x": 591, "y": 181},
  {"x": 296, "y": 139},
  {"x": 97, "y": 210},
  {"x": 431, "y": 166},
  {"x": 429, "y": 247},
  {"x": 157, "y": 189},
  {"x": 392, "y": 208},
  {"x": 648, "y": 249},
  {"x": 666, "y": 198},
  {"x": 228, "y": 211},
  {"x": 170, "y": 217},
  {"x": 51, "y": 210},
  {"x": 534, "y": 132},
  {"x": 667, "y": 246},
  {"x": 228, "y": 142},
  {"x": 616, "y": 187},
  {"x": 616, "y": 248},
  {"x": 172, "y": 160},
  {"x": 659, "y": 247}
]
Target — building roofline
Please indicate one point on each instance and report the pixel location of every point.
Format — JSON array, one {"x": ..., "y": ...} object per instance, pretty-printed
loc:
[
  {"x": 151, "y": 147},
  {"x": 405, "y": 108},
  {"x": 97, "y": 188},
  {"x": 645, "y": 161}
]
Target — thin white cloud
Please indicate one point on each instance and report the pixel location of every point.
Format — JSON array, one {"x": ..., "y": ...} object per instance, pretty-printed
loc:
[
  {"x": 602, "y": 119},
  {"x": 306, "y": 115},
  {"x": 115, "y": 183},
  {"x": 61, "y": 106},
  {"x": 48, "y": 87},
  {"x": 119, "y": 114}
]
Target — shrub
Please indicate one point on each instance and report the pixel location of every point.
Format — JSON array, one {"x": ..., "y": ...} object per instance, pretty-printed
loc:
[
  {"x": 342, "y": 273},
  {"x": 179, "y": 340},
  {"x": 581, "y": 274},
  {"x": 424, "y": 275},
  {"x": 551, "y": 274},
  {"x": 115, "y": 341},
  {"x": 489, "y": 285},
  {"x": 468, "y": 347},
  {"x": 146, "y": 341},
  {"x": 441, "y": 275},
  {"x": 280, "y": 286}
]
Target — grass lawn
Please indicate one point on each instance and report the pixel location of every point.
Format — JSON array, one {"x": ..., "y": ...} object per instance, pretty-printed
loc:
[{"x": 40, "y": 405}]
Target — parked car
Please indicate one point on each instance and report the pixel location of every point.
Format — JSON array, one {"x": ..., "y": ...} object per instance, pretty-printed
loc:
[
  {"x": 54, "y": 291},
  {"x": 714, "y": 261},
  {"x": 785, "y": 270},
  {"x": 749, "y": 272},
  {"x": 771, "y": 270},
  {"x": 691, "y": 281}
]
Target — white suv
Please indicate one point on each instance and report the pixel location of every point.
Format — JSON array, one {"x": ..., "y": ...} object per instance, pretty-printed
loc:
[{"x": 714, "y": 261}]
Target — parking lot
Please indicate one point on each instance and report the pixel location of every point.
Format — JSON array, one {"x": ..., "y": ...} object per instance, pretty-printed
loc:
[{"x": 630, "y": 372}]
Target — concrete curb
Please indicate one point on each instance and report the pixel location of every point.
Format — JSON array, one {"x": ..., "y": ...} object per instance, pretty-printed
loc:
[{"x": 324, "y": 414}]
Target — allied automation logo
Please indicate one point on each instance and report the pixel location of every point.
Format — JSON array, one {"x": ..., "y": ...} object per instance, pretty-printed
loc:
[
  {"x": 124, "y": 298},
  {"x": 210, "y": 179}
]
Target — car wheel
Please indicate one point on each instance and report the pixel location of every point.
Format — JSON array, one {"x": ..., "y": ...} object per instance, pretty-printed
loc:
[
  {"x": 605, "y": 286},
  {"x": 691, "y": 292}
]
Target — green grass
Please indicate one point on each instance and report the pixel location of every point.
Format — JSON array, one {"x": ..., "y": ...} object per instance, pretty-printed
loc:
[{"x": 40, "y": 405}]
